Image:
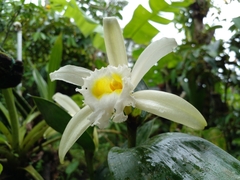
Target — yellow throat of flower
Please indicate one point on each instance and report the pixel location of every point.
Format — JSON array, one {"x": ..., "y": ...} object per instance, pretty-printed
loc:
[{"x": 107, "y": 85}]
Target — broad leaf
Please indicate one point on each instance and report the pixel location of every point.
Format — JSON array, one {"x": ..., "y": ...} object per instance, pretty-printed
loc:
[
  {"x": 85, "y": 24},
  {"x": 58, "y": 119},
  {"x": 139, "y": 28},
  {"x": 173, "y": 156}
]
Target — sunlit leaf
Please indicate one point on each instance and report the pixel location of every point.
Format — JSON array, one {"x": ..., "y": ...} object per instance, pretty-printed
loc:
[
  {"x": 237, "y": 22},
  {"x": 139, "y": 29},
  {"x": 85, "y": 24}
]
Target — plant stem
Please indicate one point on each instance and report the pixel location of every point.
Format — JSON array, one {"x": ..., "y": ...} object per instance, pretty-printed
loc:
[
  {"x": 9, "y": 99},
  {"x": 89, "y": 161},
  {"x": 132, "y": 131}
]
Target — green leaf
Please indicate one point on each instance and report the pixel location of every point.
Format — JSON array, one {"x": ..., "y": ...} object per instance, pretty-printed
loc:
[
  {"x": 143, "y": 132},
  {"x": 41, "y": 83},
  {"x": 26, "y": 108},
  {"x": 4, "y": 116},
  {"x": 30, "y": 169},
  {"x": 184, "y": 3},
  {"x": 85, "y": 24},
  {"x": 98, "y": 42},
  {"x": 173, "y": 156},
  {"x": 58, "y": 119},
  {"x": 236, "y": 22},
  {"x": 215, "y": 136},
  {"x": 139, "y": 29},
  {"x": 58, "y": 5},
  {"x": 34, "y": 135},
  {"x": 54, "y": 64},
  {"x": 157, "y": 6},
  {"x": 1, "y": 168},
  {"x": 4, "y": 130}
]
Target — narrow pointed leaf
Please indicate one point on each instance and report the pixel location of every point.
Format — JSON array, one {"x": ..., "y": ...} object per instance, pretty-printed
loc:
[
  {"x": 173, "y": 156},
  {"x": 4, "y": 130},
  {"x": 171, "y": 107},
  {"x": 114, "y": 42},
  {"x": 41, "y": 83},
  {"x": 54, "y": 63},
  {"x": 150, "y": 56},
  {"x": 30, "y": 169}
]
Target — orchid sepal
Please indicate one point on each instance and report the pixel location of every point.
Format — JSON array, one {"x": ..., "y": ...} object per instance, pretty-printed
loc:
[
  {"x": 114, "y": 42},
  {"x": 150, "y": 56},
  {"x": 171, "y": 107},
  {"x": 70, "y": 74},
  {"x": 74, "y": 129}
]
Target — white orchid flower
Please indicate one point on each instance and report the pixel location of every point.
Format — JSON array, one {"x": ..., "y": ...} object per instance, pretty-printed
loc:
[{"x": 109, "y": 90}]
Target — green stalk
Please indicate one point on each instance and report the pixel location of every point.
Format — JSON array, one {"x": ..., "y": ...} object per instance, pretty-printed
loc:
[
  {"x": 9, "y": 99},
  {"x": 132, "y": 131},
  {"x": 89, "y": 161}
]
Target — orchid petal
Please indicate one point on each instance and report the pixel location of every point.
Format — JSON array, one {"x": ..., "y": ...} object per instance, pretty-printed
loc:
[
  {"x": 70, "y": 74},
  {"x": 67, "y": 103},
  {"x": 74, "y": 129},
  {"x": 169, "y": 106},
  {"x": 114, "y": 42},
  {"x": 150, "y": 56}
]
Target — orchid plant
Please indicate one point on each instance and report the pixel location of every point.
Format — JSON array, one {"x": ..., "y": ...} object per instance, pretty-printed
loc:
[{"x": 109, "y": 91}]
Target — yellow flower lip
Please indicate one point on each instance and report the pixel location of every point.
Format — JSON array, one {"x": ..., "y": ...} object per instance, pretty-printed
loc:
[{"x": 107, "y": 85}]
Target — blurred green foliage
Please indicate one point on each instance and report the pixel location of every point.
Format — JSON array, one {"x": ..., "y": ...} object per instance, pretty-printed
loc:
[{"x": 200, "y": 70}]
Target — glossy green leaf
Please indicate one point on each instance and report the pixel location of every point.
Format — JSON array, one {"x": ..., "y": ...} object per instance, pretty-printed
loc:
[
  {"x": 54, "y": 64},
  {"x": 58, "y": 119},
  {"x": 173, "y": 156},
  {"x": 30, "y": 169}
]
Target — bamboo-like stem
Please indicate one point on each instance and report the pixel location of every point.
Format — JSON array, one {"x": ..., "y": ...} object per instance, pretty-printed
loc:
[{"x": 9, "y": 99}]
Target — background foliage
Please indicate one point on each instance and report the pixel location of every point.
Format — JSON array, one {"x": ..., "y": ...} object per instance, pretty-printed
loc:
[{"x": 201, "y": 70}]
